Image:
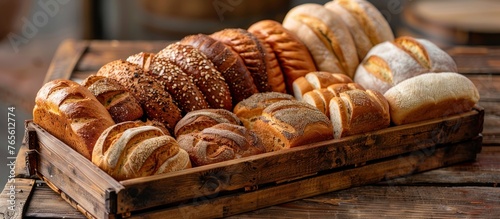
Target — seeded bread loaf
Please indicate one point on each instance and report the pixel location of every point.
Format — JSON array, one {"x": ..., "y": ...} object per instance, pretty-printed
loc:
[{"x": 68, "y": 111}]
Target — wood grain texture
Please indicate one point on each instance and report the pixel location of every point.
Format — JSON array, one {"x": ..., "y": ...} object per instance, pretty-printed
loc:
[
  {"x": 67, "y": 56},
  {"x": 15, "y": 197}
]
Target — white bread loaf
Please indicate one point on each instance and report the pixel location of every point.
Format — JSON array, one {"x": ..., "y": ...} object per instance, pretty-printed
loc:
[{"x": 431, "y": 95}]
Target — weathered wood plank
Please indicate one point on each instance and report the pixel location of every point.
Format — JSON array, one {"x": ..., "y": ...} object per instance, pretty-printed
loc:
[
  {"x": 488, "y": 86},
  {"x": 226, "y": 205},
  {"x": 303, "y": 161},
  {"x": 491, "y": 129},
  {"x": 476, "y": 60},
  {"x": 67, "y": 56},
  {"x": 15, "y": 197}
]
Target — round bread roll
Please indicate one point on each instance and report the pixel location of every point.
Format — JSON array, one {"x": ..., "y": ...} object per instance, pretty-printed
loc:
[
  {"x": 251, "y": 108},
  {"x": 361, "y": 40},
  {"x": 293, "y": 56},
  {"x": 154, "y": 99},
  {"x": 429, "y": 96},
  {"x": 228, "y": 62},
  {"x": 69, "y": 112},
  {"x": 132, "y": 149},
  {"x": 251, "y": 52},
  {"x": 196, "y": 121},
  {"x": 175, "y": 81},
  {"x": 390, "y": 63},
  {"x": 373, "y": 22},
  {"x": 202, "y": 71},
  {"x": 291, "y": 123},
  {"x": 121, "y": 105},
  {"x": 219, "y": 143},
  {"x": 326, "y": 36}
]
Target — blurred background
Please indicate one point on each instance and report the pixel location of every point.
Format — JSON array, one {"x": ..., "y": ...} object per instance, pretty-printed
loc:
[{"x": 30, "y": 32}]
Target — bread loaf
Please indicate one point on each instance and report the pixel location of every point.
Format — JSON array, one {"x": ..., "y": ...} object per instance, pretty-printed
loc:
[
  {"x": 68, "y": 111},
  {"x": 325, "y": 35},
  {"x": 202, "y": 71},
  {"x": 300, "y": 87},
  {"x": 121, "y": 105},
  {"x": 275, "y": 77},
  {"x": 154, "y": 99},
  {"x": 196, "y": 121},
  {"x": 431, "y": 95},
  {"x": 322, "y": 79},
  {"x": 251, "y": 52},
  {"x": 357, "y": 111},
  {"x": 390, "y": 63},
  {"x": 291, "y": 123},
  {"x": 228, "y": 62},
  {"x": 219, "y": 143},
  {"x": 293, "y": 56},
  {"x": 251, "y": 108},
  {"x": 132, "y": 149}
]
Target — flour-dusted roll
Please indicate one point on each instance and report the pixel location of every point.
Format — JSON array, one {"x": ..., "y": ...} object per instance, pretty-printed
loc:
[
  {"x": 121, "y": 105},
  {"x": 219, "y": 143},
  {"x": 325, "y": 35},
  {"x": 134, "y": 149},
  {"x": 392, "y": 62},
  {"x": 431, "y": 95},
  {"x": 358, "y": 111},
  {"x": 291, "y": 123},
  {"x": 70, "y": 112}
]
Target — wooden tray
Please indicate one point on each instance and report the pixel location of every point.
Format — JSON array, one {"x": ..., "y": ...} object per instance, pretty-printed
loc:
[{"x": 241, "y": 185}]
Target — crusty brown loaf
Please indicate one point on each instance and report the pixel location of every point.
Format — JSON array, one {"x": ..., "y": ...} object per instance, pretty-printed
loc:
[
  {"x": 228, "y": 62},
  {"x": 251, "y": 52},
  {"x": 325, "y": 35},
  {"x": 155, "y": 101},
  {"x": 320, "y": 98},
  {"x": 175, "y": 81},
  {"x": 275, "y": 77},
  {"x": 300, "y": 87},
  {"x": 358, "y": 111},
  {"x": 121, "y": 105},
  {"x": 291, "y": 123},
  {"x": 133, "y": 149},
  {"x": 202, "y": 71},
  {"x": 251, "y": 108},
  {"x": 390, "y": 63},
  {"x": 431, "y": 95},
  {"x": 219, "y": 143},
  {"x": 68, "y": 111},
  {"x": 293, "y": 56},
  {"x": 196, "y": 121}
]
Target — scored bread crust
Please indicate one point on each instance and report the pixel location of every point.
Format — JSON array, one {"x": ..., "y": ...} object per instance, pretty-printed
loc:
[
  {"x": 293, "y": 56},
  {"x": 202, "y": 71},
  {"x": 431, "y": 95},
  {"x": 154, "y": 99},
  {"x": 291, "y": 123},
  {"x": 228, "y": 62},
  {"x": 325, "y": 35},
  {"x": 249, "y": 109},
  {"x": 121, "y": 105},
  {"x": 219, "y": 143},
  {"x": 175, "y": 81},
  {"x": 359, "y": 36},
  {"x": 251, "y": 52},
  {"x": 275, "y": 77},
  {"x": 369, "y": 17},
  {"x": 196, "y": 121},
  {"x": 70, "y": 112}
]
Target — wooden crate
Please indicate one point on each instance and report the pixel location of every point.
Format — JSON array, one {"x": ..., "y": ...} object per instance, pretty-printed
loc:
[{"x": 245, "y": 184}]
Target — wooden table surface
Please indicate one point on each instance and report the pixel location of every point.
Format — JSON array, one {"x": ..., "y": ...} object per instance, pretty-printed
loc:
[{"x": 466, "y": 190}]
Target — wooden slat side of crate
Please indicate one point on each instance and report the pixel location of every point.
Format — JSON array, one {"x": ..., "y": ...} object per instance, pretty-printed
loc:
[
  {"x": 70, "y": 173},
  {"x": 216, "y": 206}
]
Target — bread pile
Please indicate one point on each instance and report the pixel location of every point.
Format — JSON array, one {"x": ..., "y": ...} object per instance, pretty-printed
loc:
[{"x": 327, "y": 71}]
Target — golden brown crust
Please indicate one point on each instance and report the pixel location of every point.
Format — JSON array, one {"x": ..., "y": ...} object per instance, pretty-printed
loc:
[
  {"x": 293, "y": 56},
  {"x": 202, "y": 71},
  {"x": 322, "y": 79},
  {"x": 196, "y": 121},
  {"x": 275, "y": 76},
  {"x": 154, "y": 99},
  {"x": 68, "y": 111},
  {"x": 249, "y": 109},
  {"x": 219, "y": 143},
  {"x": 228, "y": 62},
  {"x": 175, "y": 81},
  {"x": 251, "y": 52},
  {"x": 300, "y": 87},
  {"x": 121, "y": 105}
]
